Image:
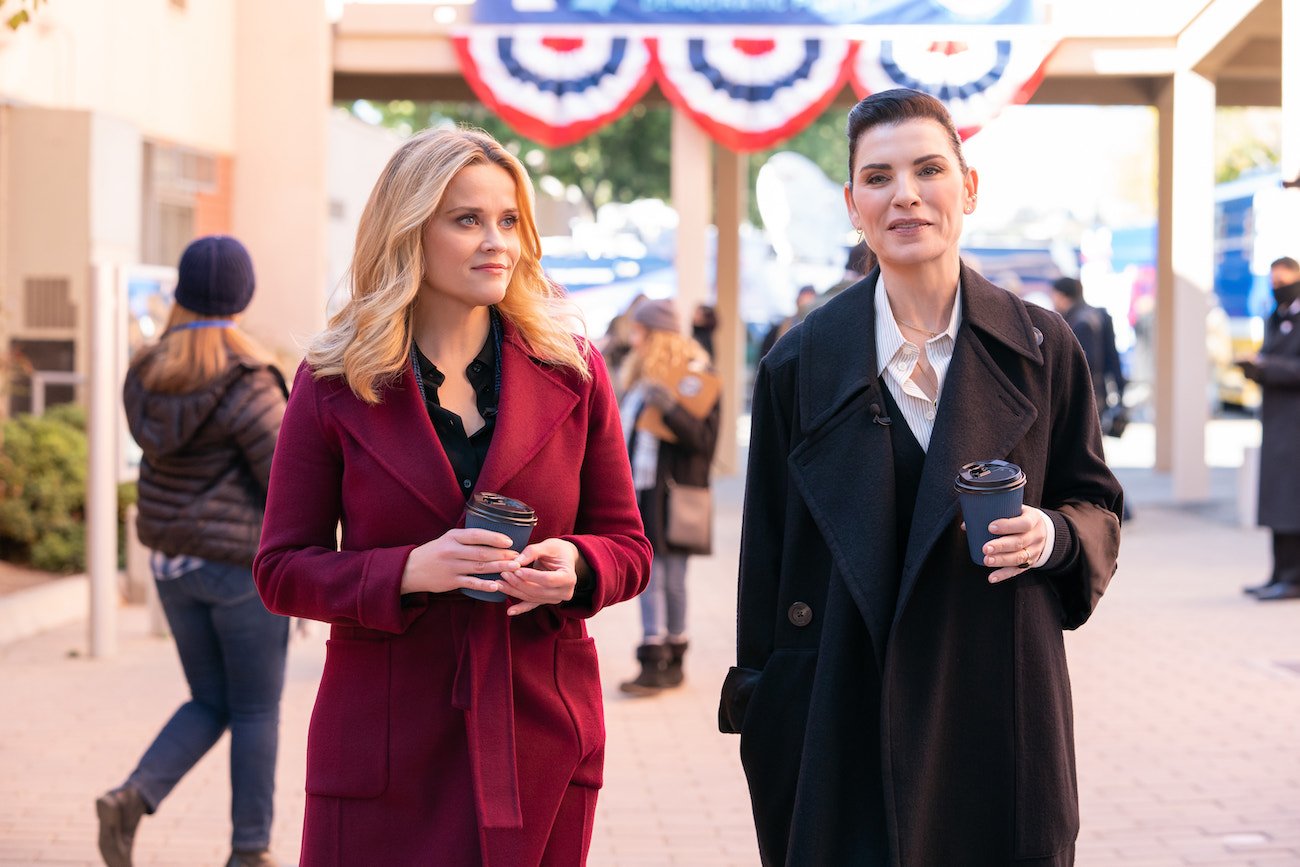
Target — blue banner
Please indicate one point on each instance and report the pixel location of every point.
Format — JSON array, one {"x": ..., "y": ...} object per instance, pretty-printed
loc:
[{"x": 802, "y": 13}]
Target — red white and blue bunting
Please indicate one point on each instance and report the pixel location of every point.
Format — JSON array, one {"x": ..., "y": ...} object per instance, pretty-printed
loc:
[
  {"x": 975, "y": 80},
  {"x": 750, "y": 93},
  {"x": 556, "y": 87}
]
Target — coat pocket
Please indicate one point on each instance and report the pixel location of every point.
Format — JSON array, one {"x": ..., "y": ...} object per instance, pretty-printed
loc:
[
  {"x": 347, "y": 743},
  {"x": 577, "y": 678}
]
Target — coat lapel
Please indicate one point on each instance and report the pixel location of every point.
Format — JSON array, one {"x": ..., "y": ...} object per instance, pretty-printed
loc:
[
  {"x": 982, "y": 415},
  {"x": 843, "y": 467},
  {"x": 399, "y": 437},
  {"x": 535, "y": 401}
]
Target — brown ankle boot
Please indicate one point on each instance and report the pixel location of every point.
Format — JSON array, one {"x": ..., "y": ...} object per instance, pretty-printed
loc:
[
  {"x": 119, "y": 814},
  {"x": 257, "y": 858},
  {"x": 673, "y": 674},
  {"x": 654, "y": 664}
]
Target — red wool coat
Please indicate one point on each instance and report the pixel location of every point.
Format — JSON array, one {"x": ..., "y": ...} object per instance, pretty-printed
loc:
[{"x": 445, "y": 732}]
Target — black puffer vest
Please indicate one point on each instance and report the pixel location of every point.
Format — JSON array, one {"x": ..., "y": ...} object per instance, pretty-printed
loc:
[{"x": 207, "y": 460}]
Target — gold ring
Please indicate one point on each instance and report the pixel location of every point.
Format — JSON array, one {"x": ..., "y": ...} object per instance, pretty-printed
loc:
[{"x": 1026, "y": 562}]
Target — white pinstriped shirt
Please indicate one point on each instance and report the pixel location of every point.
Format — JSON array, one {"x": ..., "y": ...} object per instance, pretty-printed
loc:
[{"x": 896, "y": 358}]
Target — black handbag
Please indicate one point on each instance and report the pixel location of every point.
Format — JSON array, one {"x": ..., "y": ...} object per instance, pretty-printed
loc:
[{"x": 1114, "y": 420}]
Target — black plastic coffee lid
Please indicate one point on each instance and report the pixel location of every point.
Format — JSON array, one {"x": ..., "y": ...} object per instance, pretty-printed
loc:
[
  {"x": 502, "y": 508},
  {"x": 985, "y": 476}
]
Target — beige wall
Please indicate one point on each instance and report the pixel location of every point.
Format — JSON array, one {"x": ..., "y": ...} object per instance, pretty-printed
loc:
[
  {"x": 358, "y": 152},
  {"x": 170, "y": 71},
  {"x": 47, "y": 154},
  {"x": 280, "y": 206},
  {"x": 244, "y": 81}
]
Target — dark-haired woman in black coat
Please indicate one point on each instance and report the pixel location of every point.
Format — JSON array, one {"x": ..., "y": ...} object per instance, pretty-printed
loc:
[{"x": 899, "y": 704}]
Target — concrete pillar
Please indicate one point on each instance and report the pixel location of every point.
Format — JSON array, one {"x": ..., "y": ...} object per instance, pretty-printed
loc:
[
  {"x": 729, "y": 339},
  {"x": 280, "y": 203},
  {"x": 101, "y": 478},
  {"x": 1185, "y": 280},
  {"x": 691, "y": 189},
  {"x": 1290, "y": 162}
]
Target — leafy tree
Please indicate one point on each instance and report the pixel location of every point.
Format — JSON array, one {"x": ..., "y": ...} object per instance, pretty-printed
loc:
[
  {"x": 1246, "y": 139},
  {"x": 623, "y": 161},
  {"x": 626, "y": 160},
  {"x": 823, "y": 141},
  {"x": 15, "y": 19}
]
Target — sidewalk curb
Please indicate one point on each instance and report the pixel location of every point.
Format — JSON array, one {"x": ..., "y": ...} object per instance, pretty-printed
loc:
[{"x": 60, "y": 601}]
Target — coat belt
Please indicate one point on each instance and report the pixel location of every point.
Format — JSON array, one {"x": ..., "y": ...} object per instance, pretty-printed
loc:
[{"x": 484, "y": 690}]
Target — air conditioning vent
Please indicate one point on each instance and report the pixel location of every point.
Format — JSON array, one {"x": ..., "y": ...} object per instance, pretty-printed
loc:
[{"x": 46, "y": 303}]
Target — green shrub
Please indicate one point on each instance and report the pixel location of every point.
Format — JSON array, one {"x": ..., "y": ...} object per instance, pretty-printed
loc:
[{"x": 43, "y": 463}]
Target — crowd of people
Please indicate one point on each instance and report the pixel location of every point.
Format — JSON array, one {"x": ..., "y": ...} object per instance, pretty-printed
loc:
[{"x": 456, "y": 483}]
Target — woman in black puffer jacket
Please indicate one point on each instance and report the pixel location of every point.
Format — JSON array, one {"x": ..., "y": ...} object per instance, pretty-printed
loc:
[{"x": 205, "y": 405}]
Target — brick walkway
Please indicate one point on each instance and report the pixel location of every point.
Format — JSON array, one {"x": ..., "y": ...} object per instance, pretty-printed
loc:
[{"x": 1187, "y": 722}]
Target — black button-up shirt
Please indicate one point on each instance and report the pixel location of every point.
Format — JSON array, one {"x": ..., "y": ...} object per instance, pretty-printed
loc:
[{"x": 466, "y": 452}]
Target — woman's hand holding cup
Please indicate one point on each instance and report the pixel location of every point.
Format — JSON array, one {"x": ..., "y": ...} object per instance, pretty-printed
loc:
[
  {"x": 458, "y": 560},
  {"x": 1017, "y": 544},
  {"x": 547, "y": 575}
]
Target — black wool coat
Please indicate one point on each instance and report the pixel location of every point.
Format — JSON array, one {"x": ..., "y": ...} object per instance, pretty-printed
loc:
[
  {"x": 1278, "y": 374},
  {"x": 911, "y": 707}
]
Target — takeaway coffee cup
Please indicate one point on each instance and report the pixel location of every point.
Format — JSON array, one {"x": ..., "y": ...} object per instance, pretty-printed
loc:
[
  {"x": 988, "y": 490},
  {"x": 502, "y": 515}
]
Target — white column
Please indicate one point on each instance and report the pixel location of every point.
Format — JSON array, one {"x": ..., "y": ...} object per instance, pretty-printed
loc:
[
  {"x": 691, "y": 188},
  {"x": 1186, "y": 280},
  {"x": 101, "y": 478},
  {"x": 1291, "y": 94},
  {"x": 729, "y": 339}
]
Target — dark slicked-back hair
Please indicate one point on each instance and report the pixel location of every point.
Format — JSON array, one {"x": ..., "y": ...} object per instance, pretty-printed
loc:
[
  {"x": 1069, "y": 287},
  {"x": 892, "y": 107},
  {"x": 1285, "y": 262}
]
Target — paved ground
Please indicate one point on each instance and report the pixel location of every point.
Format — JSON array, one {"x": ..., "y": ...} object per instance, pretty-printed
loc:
[{"x": 1187, "y": 697}]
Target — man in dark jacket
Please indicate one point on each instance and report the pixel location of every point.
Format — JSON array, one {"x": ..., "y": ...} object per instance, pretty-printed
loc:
[
  {"x": 1277, "y": 370},
  {"x": 1095, "y": 331}
]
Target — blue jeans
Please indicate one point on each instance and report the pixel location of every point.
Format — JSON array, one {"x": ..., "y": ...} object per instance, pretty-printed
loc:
[
  {"x": 233, "y": 652},
  {"x": 663, "y": 604}
]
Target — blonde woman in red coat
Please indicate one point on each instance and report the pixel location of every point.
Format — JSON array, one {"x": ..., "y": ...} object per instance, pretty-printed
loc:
[{"x": 450, "y": 730}]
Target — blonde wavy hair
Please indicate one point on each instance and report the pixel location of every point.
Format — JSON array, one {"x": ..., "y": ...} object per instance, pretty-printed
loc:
[
  {"x": 368, "y": 342},
  {"x": 185, "y": 361},
  {"x": 659, "y": 353}
]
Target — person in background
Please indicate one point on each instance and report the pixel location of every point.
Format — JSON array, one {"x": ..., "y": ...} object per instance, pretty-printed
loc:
[
  {"x": 804, "y": 300},
  {"x": 615, "y": 345},
  {"x": 1095, "y": 331},
  {"x": 897, "y": 702},
  {"x": 1094, "y": 328},
  {"x": 449, "y": 729},
  {"x": 658, "y": 465},
  {"x": 703, "y": 324},
  {"x": 1277, "y": 370},
  {"x": 205, "y": 405}
]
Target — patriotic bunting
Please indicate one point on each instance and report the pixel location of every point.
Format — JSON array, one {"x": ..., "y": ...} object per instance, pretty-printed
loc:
[
  {"x": 975, "y": 80},
  {"x": 749, "y": 94},
  {"x": 556, "y": 87}
]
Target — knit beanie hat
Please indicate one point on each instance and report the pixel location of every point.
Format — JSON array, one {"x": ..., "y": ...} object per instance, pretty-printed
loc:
[
  {"x": 215, "y": 277},
  {"x": 659, "y": 315}
]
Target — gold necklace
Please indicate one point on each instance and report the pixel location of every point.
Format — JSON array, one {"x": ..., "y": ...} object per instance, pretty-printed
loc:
[{"x": 924, "y": 331}]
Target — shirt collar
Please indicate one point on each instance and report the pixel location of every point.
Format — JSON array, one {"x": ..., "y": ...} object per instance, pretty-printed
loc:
[
  {"x": 890, "y": 340},
  {"x": 480, "y": 372}
]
